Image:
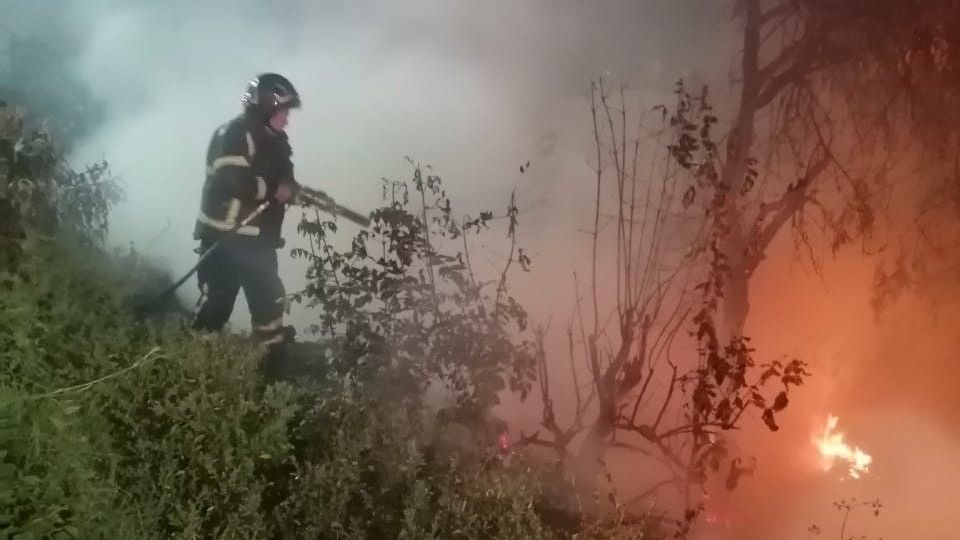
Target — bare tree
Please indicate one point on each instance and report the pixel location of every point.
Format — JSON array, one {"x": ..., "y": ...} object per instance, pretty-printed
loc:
[
  {"x": 899, "y": 73},
  {"x": 687, "y": 240},
  {"x": 659, "y": 378},
  {"x": 791, "y": 158},
  {"x": 846, "y": 132},
  {"x": 802, "y": 154}
]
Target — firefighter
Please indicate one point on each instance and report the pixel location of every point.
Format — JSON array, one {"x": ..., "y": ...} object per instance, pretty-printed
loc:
[{"x": 248, "y": 163}]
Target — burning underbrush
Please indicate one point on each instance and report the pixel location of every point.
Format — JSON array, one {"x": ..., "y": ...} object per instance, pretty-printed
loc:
[{"x": 832, "y": 449}]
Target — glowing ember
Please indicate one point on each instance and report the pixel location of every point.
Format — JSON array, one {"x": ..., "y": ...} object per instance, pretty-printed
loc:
[
  {"x": 503, "y": 442},
  {"x": 832, "y": 448}
]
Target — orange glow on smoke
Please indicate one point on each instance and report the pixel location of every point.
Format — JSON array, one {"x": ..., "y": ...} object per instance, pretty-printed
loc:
[{"x": 832, "y": 448}]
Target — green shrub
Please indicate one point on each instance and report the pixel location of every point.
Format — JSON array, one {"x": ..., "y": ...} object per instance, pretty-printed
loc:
[
  {"x": 116, "y": 429},
  {"x": 54, "y": 474},
  {"x": 175, "y": 435},
  {"x": 365, "y": 474},
  {"x": 112, "y": 427}
]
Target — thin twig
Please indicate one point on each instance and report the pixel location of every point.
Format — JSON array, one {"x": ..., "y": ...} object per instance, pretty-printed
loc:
[{"x": 153, "y": 354}]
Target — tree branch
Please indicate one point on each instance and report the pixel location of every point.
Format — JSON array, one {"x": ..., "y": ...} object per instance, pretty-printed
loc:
[
  {"x": 781, "y": 10},
  {"x": 789, "y": 204},
  {"x": 651, "y": 490},
  {"x": 666, "y": 401}
]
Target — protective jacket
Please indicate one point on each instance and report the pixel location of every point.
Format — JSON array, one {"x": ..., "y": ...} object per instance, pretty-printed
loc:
[{"x": 246, "y": 162}]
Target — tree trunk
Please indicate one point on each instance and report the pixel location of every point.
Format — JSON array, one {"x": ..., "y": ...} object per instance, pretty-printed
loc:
[
  {"x": 736, "y": 297},
  {"x": 590, "y": 459},
  {"x": 736, "y": 302}
]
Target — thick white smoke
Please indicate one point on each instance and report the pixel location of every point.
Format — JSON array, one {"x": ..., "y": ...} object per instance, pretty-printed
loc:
[{"x": 477, "y": 88}]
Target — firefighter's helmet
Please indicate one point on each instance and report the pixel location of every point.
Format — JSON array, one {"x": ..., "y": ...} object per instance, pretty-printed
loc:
[{"x": 269, "y": 92}]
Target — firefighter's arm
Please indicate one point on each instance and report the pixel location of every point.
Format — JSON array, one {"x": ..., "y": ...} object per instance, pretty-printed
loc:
[
  {"x": 234, "y": 167},
  {"x": 287, "y": 187}
]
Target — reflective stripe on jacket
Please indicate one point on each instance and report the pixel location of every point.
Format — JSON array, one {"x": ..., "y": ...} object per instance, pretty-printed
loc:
[{"x": 246, "y": 161}]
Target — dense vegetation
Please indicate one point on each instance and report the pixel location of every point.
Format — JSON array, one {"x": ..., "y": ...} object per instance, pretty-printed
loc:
[{"x": 113, "y": 427}]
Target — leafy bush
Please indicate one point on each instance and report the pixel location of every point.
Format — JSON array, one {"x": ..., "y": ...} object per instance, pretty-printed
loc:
[
  {"x": 116, "y": 428},
  {"x": 401, "y": 301},
  {"x": 112, "y": 427},
  {"x": 41, "y": 194},
  {"x": 363, "y": 476},
  {"x": 168, "y": 417}
]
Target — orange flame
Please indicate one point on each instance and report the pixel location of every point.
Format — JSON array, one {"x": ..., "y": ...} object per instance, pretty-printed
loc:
[{"x": 832, "y": 448}]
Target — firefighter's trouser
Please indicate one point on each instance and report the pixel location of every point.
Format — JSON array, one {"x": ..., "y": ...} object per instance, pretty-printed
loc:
[{"x": 240, "y": 262}]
